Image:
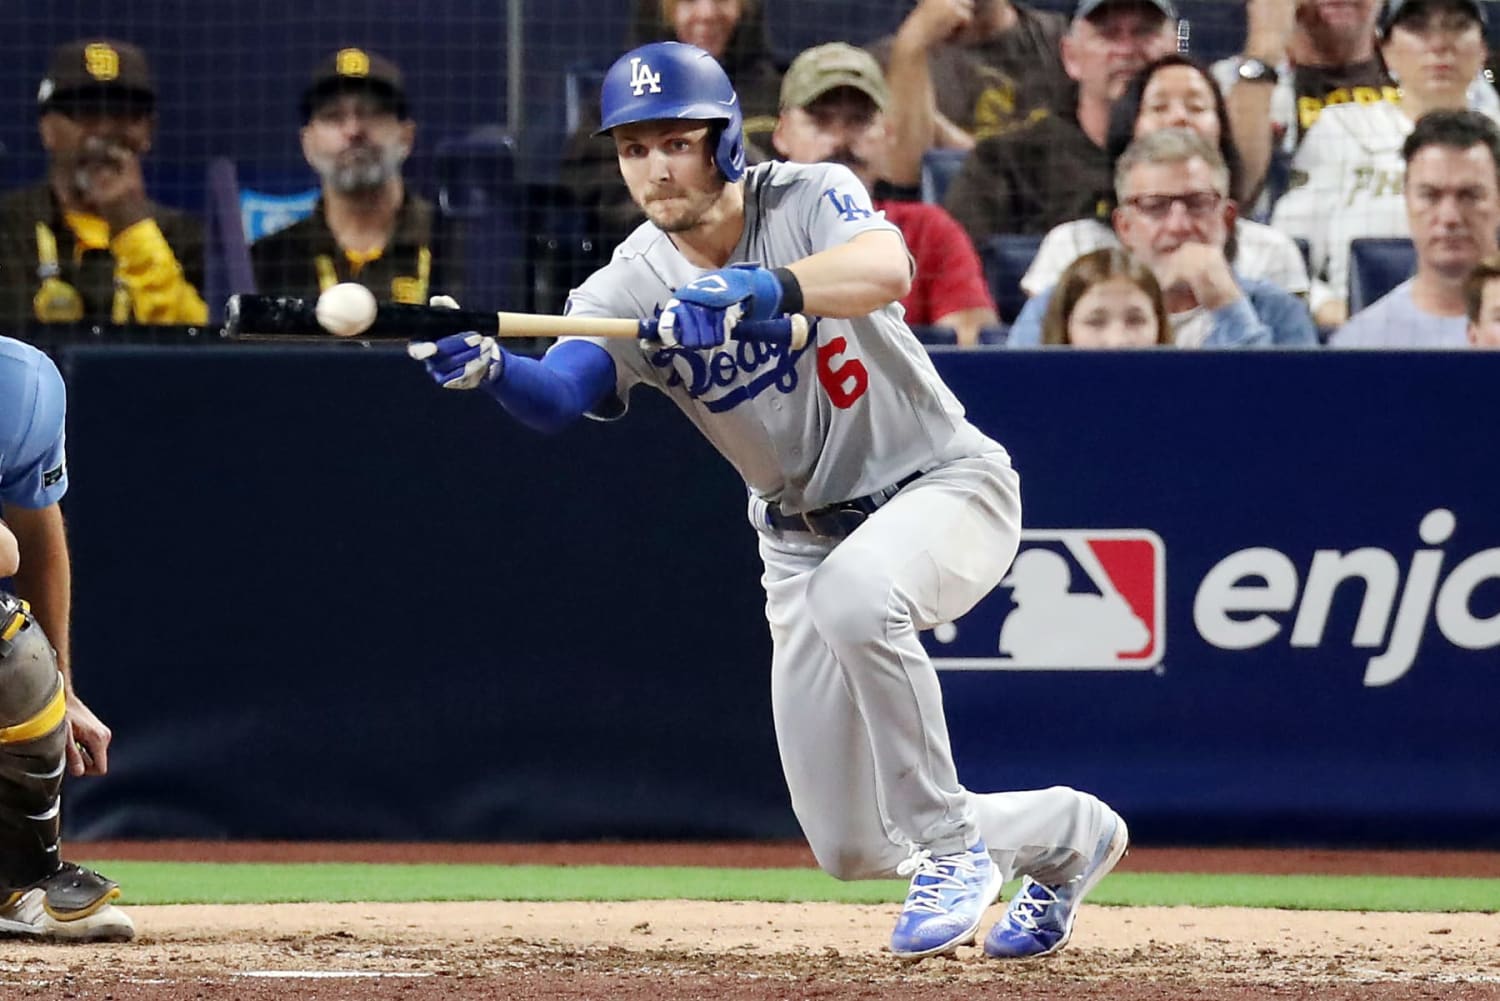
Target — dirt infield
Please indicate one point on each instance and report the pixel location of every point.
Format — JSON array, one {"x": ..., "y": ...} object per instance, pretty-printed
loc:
[{"x": 665, "y": 951}]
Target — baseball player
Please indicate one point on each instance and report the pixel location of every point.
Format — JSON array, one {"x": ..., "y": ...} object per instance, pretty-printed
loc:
[
  {"x": 880, "y": 510},
  {"x": 44, "y": 726}
]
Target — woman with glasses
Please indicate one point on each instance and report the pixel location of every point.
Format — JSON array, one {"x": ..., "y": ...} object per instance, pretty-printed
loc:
[
  {"x": 1175, "y": 91},
  {"x": 1348, "y": 175}
]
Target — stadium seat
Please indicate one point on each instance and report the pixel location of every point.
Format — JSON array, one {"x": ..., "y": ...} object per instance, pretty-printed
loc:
[
  {"x": 523, "y": 245},
  {"x": 1377, "y": 265},
  {"x": 581, "y": 83},
  {"x": 939, "y": 166},
  {"x": 481, "y": 203},
  {"x": 1006, "y": 258},
  {"x": 563, "y": 246},
  {"x": 942, "y": 336}
]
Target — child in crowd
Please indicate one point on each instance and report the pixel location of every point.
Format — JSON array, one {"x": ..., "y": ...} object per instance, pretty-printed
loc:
[
  {"x": 1482, "y": 296},
  {"x": 1107, "y": 299}
]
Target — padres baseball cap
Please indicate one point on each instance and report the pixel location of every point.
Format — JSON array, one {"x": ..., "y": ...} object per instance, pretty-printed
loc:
[
  {"x": 355, "y": 70},
  {"x": 824, "y": 67},
  {"x": 1394, "y": 10},
  {"x": 1088, "y": 8},
  {"x": 97, "y": 71}
]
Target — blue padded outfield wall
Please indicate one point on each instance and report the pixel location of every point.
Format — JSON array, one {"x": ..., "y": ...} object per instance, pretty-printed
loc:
[{"x": 318, "y": 598}]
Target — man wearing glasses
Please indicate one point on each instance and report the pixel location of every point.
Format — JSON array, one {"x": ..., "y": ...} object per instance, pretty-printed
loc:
[{"x": 1175, "y": 216}]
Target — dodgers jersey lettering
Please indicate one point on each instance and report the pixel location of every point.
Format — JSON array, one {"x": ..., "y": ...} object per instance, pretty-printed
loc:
[
  {"x": 856, "y": 410},
  {"x": 33, "y": 402}
]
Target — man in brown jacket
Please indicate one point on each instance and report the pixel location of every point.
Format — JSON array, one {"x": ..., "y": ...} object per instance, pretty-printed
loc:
[
  {"x": 1056, "y": 169},
  {"x": 86, "y": 244}
]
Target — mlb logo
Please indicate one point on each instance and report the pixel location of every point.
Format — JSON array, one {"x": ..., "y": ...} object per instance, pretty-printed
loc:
[{"x": 1075, "y": 599}]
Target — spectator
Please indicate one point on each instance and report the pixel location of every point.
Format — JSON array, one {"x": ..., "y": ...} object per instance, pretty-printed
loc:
[
  {"x": 1482, "y": 299},
  {"x": 1299, "y": 57},
  {"x": 734, "y": 33},
  {"x": 1175, "y": 91},
  {"x": 1452, "y": 194},
  {"x": 1057, "y": 169},
  {"x": 1175, "y": 216},
  {"x": 1107, "y": 299},
  {"x": 974, "y": 69},
  {"x": 1346, "y": 178},
  {"x": 367, "y": 227},
  {"x": 87, "y": 244},
  {"x": 833, "y": 100}
]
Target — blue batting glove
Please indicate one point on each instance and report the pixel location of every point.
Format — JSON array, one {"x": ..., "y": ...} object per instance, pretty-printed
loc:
[
  {"x": 707, "y": 309},
  {"x": 696, "y": 327},
  {"x": 460, "y": 361}
]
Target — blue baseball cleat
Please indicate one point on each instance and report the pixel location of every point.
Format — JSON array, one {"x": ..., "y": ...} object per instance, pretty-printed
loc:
[
  {"x": 948, "y": 896},
  {"x": 1039, "y": 919}
]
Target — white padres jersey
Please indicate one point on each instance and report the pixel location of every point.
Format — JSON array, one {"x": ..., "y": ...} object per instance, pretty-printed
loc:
[
  {"x": 859, "y": 408},
  {"x": 1348, "y": 181}
]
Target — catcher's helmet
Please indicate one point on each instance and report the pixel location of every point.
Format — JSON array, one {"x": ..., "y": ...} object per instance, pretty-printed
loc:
[{"x": 667, "y": 80}]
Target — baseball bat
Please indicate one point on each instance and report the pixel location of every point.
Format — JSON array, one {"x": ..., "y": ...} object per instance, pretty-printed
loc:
[{"x": 256, "y": 317}]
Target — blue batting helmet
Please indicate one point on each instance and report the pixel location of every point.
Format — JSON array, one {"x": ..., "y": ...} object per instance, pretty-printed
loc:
[{"x": 668, "y": 80}]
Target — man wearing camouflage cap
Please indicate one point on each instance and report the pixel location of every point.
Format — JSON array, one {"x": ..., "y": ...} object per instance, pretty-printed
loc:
[{"x": 834, "y": 99}]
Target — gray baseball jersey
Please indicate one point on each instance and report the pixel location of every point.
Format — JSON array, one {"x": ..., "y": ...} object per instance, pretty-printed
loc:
[
  {"x": 858, "y": 707},
  {"x": 856, "y": 410}
]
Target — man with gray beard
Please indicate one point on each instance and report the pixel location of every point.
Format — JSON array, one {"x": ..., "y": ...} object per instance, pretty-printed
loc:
[{"x": 367, "y": 227}]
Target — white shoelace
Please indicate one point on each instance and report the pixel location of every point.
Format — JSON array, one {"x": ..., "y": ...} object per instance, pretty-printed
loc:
[
  {"x": 947, "y": 869},
  {"x": 1026, "y": 911}
]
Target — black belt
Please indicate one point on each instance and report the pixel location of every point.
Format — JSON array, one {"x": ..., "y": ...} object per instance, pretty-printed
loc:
[{"x": 836, "y": 521}]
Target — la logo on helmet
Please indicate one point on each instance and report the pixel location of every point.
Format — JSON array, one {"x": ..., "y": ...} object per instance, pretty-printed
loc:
[{"x": 642, "y": 79}]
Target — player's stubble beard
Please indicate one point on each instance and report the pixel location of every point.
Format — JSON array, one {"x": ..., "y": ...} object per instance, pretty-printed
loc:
[{"x": 687, "y": 209}]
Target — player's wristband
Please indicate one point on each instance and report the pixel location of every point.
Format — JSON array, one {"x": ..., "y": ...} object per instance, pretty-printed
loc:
[{"x": 791, "y": 291}]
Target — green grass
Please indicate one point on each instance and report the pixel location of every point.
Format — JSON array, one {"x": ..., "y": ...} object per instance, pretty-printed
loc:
[{"x": 245, "y": 883}]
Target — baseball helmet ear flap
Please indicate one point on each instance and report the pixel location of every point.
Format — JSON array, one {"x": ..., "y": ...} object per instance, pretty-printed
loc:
[
  {"x": 664, "y": 81},
  {"x": 729, "y": 154}
]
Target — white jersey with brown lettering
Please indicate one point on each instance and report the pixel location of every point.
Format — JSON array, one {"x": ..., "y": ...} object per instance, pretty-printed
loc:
[
  {"x": 1348, "y": 182},
  {"x": 856, "y": 410}
]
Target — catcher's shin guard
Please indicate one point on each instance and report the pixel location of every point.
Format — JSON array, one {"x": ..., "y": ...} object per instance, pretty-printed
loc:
[{"x": 32, "y": 750}]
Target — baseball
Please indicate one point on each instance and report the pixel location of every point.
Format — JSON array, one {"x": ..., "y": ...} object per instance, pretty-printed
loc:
[{"x": 346, "y": 309}]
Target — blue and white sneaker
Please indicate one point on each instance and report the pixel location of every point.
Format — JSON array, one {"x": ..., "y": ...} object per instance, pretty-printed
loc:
[
  {"x": 1039, "y": 919},
  {"x": 948, "y": 896}
]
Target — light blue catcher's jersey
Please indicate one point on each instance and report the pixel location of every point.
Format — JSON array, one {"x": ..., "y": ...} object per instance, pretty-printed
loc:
[
  {"x": 854, "y": 411},
  {"x": 33, "y": 404}
]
